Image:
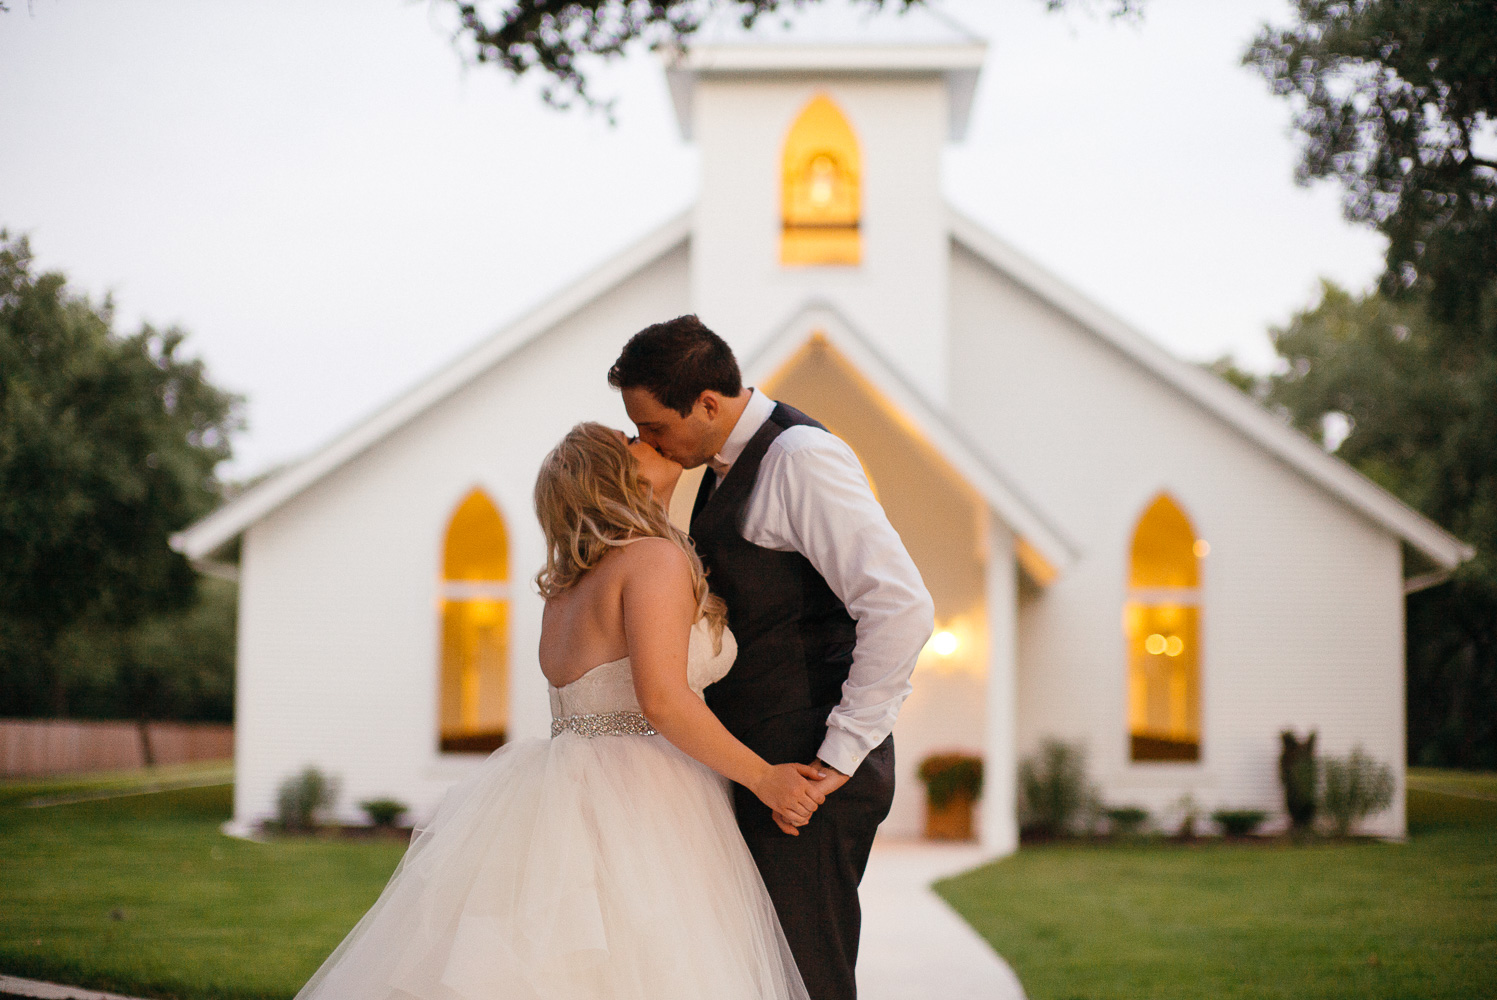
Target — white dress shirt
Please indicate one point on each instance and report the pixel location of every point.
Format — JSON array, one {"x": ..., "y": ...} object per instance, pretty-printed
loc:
[{"x": 813, "y": 497}]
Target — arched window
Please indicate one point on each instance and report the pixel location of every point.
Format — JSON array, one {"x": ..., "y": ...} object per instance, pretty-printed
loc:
[
  {"x": 822, "y": 194},
  {"x": 1162, "y": 620},
  {"x": 474, "y": 698}
]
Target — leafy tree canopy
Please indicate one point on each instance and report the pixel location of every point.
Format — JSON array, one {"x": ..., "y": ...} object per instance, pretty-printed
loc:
[
  {"x": 1396, "y": 100},
  {"x": 108, "y": 444}
]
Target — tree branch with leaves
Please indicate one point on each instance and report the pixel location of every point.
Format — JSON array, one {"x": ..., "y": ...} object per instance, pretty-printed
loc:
[
  {"x": 555, "y": 37},
  {"x": 1395, "y": 99}
]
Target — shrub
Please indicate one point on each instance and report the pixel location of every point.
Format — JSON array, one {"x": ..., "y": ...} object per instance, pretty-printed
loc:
[
  {"x": 383, "y": 812},
  {"x": 301, "y": 797},
  {"x": 1297, "y": 773},
  {"x": 1125, "y": 821},
  {"x": 951, "y": 775},
  {"x": 1239, "y": 822},
  {"x": 1190, "y": 815},
  {"x": 1355, "y": 786},
  {"x": 1055, "y": 794}
]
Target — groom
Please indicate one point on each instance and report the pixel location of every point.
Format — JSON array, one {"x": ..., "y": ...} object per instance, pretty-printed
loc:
[{"x": 828, "y": 609}]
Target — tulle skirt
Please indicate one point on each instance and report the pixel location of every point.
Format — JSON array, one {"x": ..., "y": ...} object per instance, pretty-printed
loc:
[{"x": 572, "y": 868}]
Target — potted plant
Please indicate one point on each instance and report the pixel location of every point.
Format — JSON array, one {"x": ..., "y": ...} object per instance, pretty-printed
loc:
[{"x": 953, "y": 782}]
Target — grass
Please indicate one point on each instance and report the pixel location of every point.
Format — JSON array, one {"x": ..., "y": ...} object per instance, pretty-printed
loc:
[
  {"x": 140, "y": 894},
  {"x": 105, "y": 784},
  {"x": 1362, "y": 920}
]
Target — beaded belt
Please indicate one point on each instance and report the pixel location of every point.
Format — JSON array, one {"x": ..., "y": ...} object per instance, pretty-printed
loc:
[{"x": 604, "y": 724}]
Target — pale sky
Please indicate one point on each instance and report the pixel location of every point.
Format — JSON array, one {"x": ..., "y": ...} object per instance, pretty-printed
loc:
[{"x": 334, "y": 206}]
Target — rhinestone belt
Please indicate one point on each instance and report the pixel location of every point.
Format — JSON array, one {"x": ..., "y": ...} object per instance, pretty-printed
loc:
[{"x": 604, "y": 724}]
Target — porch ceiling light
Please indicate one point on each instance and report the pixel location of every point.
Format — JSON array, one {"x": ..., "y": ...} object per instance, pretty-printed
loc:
[{"x": 944, "y": 643}]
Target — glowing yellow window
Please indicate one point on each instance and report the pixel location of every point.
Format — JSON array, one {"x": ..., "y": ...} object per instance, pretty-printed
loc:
[
  {"x": 822, "y": 196},
  {"x": 1162, "y": 620},
  {"x": 474, "y": 696}
]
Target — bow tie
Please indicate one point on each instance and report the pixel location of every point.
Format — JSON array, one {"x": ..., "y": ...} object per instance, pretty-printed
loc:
[{"x": 719, "y": 467}]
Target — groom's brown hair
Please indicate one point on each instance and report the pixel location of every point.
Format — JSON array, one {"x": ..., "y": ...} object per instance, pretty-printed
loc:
[{"x": 677, "y": 361}]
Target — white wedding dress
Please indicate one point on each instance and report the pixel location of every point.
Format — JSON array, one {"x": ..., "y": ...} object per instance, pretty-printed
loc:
[{"x": 599, "y": 863}]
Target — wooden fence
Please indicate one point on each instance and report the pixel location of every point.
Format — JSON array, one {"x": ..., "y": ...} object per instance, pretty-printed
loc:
[{"x": 60, "y": 746}]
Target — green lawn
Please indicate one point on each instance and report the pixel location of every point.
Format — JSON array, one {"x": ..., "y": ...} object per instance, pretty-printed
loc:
[
  {"x": 1328, "y": 920},
  {"x": 141, "y": 894}
]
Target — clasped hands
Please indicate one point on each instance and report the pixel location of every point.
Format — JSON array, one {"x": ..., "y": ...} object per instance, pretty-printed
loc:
[{"x": 794, "y": 791}]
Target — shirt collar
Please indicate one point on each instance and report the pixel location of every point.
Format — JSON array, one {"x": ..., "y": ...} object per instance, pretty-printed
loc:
[{"x": 750, "y": 420}]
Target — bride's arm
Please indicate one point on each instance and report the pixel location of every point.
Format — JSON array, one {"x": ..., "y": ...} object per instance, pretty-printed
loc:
[{"x": 658, "y": 614}]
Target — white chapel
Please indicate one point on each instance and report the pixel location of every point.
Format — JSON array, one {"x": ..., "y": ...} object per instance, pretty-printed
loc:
[{"x": 1123, "y": 550}]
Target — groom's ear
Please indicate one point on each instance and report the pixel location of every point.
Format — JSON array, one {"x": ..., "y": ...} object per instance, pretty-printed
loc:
[{"x": 710, "y": 402}]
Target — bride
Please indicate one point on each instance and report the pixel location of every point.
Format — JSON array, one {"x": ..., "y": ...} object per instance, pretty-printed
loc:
[{"x": 605, "y": 861}]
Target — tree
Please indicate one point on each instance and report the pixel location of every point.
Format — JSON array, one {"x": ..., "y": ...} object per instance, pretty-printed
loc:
[
  {"x": 1396, "y": 99},
  {"x": 108, "y": 444},
  {"x": 554, "y": 37},
  {"x": 1418, "y": 406}
]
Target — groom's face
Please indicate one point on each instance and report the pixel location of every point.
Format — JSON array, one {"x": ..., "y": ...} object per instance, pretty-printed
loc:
[{"x": 688, "y": 441}]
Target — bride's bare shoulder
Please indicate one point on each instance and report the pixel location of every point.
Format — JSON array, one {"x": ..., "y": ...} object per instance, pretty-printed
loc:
[{"x": 653, "y": 555}]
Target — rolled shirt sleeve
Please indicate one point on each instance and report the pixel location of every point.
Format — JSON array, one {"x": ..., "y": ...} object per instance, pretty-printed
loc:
[{"x": 813, "y": 496}]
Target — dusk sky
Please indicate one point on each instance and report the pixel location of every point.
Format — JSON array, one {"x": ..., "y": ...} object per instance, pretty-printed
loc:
[{"x": 334, "y": 206}]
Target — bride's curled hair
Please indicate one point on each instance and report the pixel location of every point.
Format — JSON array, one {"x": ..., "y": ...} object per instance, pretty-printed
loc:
[{"x": 590, "y": 498}]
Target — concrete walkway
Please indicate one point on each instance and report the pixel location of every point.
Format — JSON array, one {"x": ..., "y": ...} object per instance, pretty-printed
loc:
[
  {"x": 16, "y": 986},
  {"x": 914, "y": 946}
]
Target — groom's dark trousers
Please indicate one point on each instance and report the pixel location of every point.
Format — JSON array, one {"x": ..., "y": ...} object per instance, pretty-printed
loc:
[{"x": 795, "y": 646}]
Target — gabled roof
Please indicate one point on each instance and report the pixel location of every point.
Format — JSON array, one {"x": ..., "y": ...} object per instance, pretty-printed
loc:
[
  {"x": 820, "y": 319},
  {"x": 1222, "y": 401},
  {"x": 227, "y": 522},
  {"x": 1438, "y": 546}
]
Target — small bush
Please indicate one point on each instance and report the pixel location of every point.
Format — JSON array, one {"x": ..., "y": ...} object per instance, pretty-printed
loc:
[
  {"x": 1126, "y": 821},
  {"x": 1055, "y": 795},
  {"x": 1239, "y": 822},
  {"x": 383, "y": 812},
  {"x": 950, "y": 775},
  {"x": 1355, "y": 786},
  {"x": 301, "y": 797},
  {"x": 1298, "y": 775},
  {"x": 1190, "y": 815}
]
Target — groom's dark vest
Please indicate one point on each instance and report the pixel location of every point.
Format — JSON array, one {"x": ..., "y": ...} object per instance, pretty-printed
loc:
[{"x": 795, "y": 638}]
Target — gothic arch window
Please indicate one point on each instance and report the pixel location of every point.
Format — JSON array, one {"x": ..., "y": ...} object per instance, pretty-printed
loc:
[
  {"x": 474, "y": 693},
  {"x": 1162, "y": 620},
  {"x": 822, "y": 194}
]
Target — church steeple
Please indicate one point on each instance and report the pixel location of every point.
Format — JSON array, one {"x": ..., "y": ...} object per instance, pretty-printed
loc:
[{"x": 820, "y": 149}]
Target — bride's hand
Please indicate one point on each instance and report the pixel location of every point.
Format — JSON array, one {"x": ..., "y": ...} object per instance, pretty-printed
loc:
[{"x": 787, "y": 790}]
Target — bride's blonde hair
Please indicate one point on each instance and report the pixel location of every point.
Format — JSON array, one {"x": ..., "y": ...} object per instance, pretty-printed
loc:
[{"x": 590, "y": 498}]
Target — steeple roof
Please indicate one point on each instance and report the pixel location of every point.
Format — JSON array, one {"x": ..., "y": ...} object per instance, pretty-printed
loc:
[{"x": 833, "y": 37}]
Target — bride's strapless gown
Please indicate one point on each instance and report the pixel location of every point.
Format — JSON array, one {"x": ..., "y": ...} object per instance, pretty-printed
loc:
[{"x": 598, "y": 863}]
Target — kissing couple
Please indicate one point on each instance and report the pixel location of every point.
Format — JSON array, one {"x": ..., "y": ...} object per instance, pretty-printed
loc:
[{"x": 722, "y": 706}]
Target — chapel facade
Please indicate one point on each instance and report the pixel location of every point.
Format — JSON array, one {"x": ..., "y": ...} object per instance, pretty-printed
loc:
[{"x": 1124, "y": 552}]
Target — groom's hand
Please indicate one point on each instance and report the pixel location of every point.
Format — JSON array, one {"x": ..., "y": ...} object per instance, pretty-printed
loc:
[
  {"x": 834, "y": 779},
  {"x": 831, "y": 780}
]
